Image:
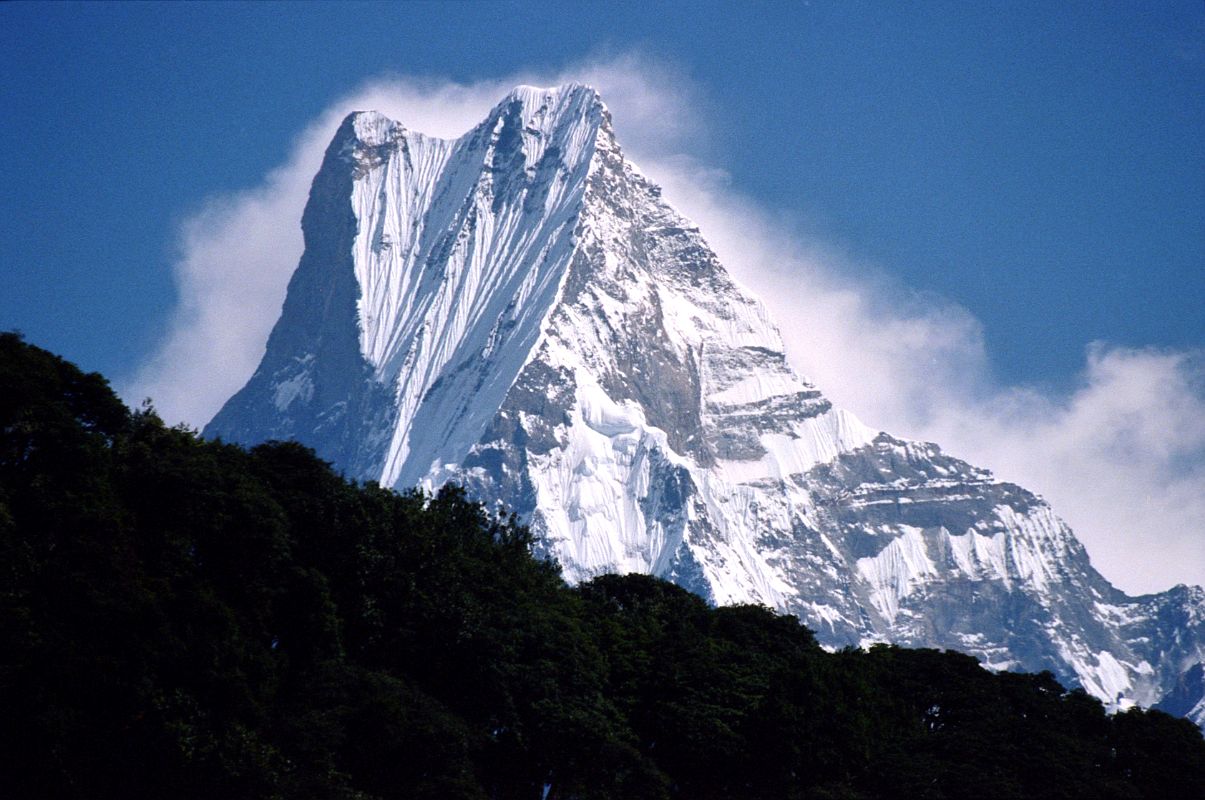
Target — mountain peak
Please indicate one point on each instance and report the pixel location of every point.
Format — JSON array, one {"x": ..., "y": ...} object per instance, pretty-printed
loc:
[
  {"x": 537, "y": 95},
  {"x": 534, "y": 109},
  {"x": 372, "y": 127},
  {"x": 574, "y": 111},
  {"x": 519, "y": 311}
]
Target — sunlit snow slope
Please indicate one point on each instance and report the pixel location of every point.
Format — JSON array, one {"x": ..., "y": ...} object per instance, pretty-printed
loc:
[{"x": 519, "y": 311}]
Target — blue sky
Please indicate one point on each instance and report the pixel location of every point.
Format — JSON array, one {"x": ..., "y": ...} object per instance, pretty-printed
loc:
[
  {"x": 1024, "y": 179},
  {"x": 1041, "y": 164}
]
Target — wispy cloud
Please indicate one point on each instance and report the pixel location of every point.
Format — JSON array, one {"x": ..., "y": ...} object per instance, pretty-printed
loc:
[{"x": 1121, "y": 457}]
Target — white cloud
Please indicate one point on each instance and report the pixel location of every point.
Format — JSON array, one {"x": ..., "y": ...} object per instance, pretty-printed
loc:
[{"x": 1122, "y": 457}]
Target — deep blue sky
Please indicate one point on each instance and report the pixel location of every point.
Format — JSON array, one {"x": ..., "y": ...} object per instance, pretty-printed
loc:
[{"x": 1041, "y": 164}]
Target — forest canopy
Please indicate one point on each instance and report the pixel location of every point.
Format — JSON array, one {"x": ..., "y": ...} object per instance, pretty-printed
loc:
[{"x": 182, "y": 618}]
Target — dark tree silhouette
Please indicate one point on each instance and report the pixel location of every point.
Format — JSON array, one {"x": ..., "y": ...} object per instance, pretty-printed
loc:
[{"x": 182, "y": 618}]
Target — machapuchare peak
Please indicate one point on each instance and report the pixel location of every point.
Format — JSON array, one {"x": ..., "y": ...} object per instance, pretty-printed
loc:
[
  {"x": 534, "y": 108},
  {"x": 519, "y": 311}
]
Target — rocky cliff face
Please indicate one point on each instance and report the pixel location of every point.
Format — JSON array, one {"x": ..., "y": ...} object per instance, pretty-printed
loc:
[{"x": 519, "y": 311}]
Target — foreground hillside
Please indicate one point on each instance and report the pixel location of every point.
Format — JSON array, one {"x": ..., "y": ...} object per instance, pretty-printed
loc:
[{"x": 182, "y": 618}]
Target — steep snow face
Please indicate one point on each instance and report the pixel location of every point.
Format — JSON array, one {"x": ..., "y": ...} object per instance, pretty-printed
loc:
[
  {"x": 460, "y": 251},
  {"x": 666, "y": 408},
  {"x": 518, "y": 310}
]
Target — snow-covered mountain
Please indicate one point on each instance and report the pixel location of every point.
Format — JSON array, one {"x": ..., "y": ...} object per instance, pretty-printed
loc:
[{"x": 518, "y": 310}]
